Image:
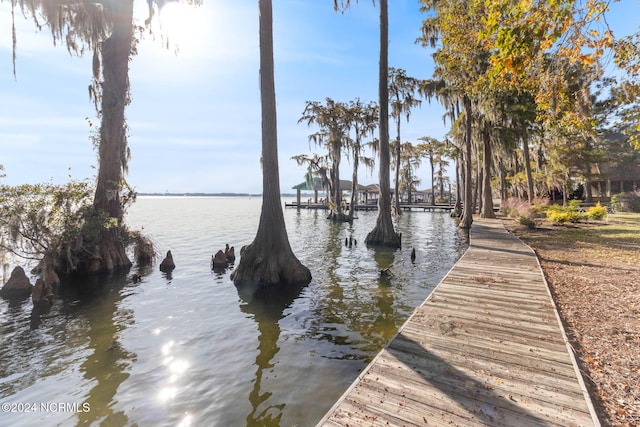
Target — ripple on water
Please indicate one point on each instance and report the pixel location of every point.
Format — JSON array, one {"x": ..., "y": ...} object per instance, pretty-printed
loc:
[{"x": 183, "y": 348}]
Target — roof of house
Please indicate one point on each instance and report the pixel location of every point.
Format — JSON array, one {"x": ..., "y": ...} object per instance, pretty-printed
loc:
[
  {"x": 345, "y": 185},
  {"x": 627, "y": 172}
]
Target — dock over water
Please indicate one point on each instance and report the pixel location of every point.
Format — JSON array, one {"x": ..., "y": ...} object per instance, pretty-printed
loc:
[
  {"x": 486, "y": 348},
  {"x": 424, "y": 207}
]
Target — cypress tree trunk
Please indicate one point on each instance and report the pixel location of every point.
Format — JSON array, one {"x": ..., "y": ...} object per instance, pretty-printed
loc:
[
  {"x": 503, "y": 182},
  {"x": 433, "y": 184},
  {"x": 354, "y": 186},
  {"x": 467, "y": 207},
  {"x": 487, "y": 202},
  {"x": 336, "y": 213},
  {"x": 479, "y": 181},
  {"x": 457, "y": 210},
  {"x": 268, "y": 267},
  {"x": 527, "y": 167},
  {"x": 116, "y": 52},
  {"x": 383, "y": 233},
  {"x": 397, "y": 152}
]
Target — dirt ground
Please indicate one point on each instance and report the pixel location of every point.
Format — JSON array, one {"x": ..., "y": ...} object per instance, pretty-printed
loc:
[{"x": 593, "y": 271}]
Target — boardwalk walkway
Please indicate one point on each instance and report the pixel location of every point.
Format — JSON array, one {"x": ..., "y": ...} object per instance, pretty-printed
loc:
[{"x": 486, "y": 348}]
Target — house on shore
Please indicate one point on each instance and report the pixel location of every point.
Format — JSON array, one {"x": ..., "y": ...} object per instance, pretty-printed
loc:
[{"x": 608, "y": 180}]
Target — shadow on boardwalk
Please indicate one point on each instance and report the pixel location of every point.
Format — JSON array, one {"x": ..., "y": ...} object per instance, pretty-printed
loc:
[{"x": 486, "y": 348}]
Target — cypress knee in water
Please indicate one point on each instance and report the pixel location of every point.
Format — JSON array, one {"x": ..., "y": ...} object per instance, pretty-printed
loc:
[
  {"x": 42, "y": 296},
  {"x": 18, "y": 286},
  {"x": 167, "y": 265},
  {"x": 219, "y": 261},
  {"x": 230, "y": 253}
]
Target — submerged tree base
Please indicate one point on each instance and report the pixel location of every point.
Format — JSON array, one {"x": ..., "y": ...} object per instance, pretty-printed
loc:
[
  {"x": 339, "y": 217},
  {"x": 266, "y": 273},
  {"x": 381, "y": 236},
  {"x": 108, "y": 256}
]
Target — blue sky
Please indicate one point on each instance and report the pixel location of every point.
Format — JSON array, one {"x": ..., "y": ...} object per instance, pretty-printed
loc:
[{"x": 195, "y": 116}]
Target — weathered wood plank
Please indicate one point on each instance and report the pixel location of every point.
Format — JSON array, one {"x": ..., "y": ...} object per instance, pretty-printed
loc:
[
  {"x": 501, "y": 395},
  {"x": 513, "y": 380},
  {"x": 486, "y": 348}
]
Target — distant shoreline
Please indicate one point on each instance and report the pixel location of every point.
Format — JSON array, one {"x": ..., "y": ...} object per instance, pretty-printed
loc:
[{"x": 211, "y": 195}]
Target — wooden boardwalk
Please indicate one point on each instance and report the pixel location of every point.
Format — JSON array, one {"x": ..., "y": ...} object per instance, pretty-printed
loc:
[{"x": 486, "y": 348}]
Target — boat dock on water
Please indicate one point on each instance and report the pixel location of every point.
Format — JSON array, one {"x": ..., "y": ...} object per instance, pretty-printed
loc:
[{"x": 420, "y": 207}]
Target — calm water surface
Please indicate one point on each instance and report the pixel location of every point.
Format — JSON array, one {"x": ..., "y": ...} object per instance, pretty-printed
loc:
[{"x": 185, "y": 349}]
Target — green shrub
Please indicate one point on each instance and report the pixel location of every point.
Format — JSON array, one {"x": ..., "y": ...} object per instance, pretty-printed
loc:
[
  {"x": 557, "y": 214},
  {"x": 616, "y": 202},
  {"x": 575, "y": 217},
  {"x": 527, "y": 221},
  {"x": 626, "y": 202},
  {"x": 596, "y": 212},
  {"x": 540, "y": 209},
  {"x": 574, "y": 204}
]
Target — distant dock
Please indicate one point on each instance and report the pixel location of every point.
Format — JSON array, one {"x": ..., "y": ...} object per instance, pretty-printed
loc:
[
  {"x": 486, "y": 348},
  {"x": 424, "y": 207}
]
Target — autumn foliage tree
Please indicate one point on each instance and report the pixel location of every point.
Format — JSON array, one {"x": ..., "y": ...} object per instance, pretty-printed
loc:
[{"x": 544, "y": 51}]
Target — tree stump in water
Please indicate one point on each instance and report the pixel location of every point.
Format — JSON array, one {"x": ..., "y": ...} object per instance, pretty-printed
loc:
[
  {"x": 18, "y": 286},
  {"x": 167, "y": 265}
]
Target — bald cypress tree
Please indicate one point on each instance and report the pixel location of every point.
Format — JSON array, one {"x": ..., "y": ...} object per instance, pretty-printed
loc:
[
  {"x": 268, "y": 268},
  {"x": 107, "y": 29}
]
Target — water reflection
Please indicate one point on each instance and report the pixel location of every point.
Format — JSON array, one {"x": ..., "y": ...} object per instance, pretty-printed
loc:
[
  {"x": 385, "y": 321},
  {"x": 267, "y": 314},
  {"x": 190, "y": 356},
  {"x": 176, "y": 368},
  {"x": 332, "y": 252},
  {"x": 109, "y": 363},
  {"x": 362, "y": 294}
]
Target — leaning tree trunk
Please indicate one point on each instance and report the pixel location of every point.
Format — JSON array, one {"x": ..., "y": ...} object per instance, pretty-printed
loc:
[
  {"x": 268, "y": 266},
  {"x": 383, "y": 233},
  {"x": 487, "y": 202},
  {"x": 467, "y": 207},
  {"x": 116, "y": 51}
]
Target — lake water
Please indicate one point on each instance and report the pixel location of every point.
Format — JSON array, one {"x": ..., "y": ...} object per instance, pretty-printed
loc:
[{"x": 184, "y": 349}]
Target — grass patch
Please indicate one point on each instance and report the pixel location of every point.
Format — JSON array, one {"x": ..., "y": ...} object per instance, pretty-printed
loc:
[{"x": 618, "y": 236}]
